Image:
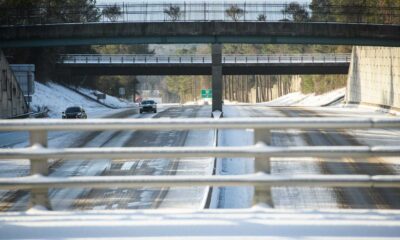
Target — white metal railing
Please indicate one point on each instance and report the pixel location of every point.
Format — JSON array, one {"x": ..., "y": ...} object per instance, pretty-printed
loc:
[
  {"x": 39, "y": 154},
  {"x": 201, "y": 59}
]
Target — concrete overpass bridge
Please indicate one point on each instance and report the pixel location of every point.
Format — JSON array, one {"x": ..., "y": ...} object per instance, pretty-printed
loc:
[
  {"x": 196, "y": 22},
  {"x": 199, "y": 32},
  {"x": 94, "y": 64}
]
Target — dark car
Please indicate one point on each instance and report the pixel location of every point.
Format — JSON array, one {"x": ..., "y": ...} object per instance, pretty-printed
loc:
[
  {"x": 148, "y": 106},
  {"x": 74, "y": 112}
]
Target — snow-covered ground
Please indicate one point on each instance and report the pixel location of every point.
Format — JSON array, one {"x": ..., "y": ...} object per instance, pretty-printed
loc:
[
  {"x": 110, "y": 100},
  {"x": 57, "y": 98},
  {"x": 222, "y": 224},
  {"x": 300, "y": 99}
]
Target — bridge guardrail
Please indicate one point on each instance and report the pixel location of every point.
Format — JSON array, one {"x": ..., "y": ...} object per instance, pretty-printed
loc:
[
  {"x": 201, "y": 59},
  {"x": 39, "y": 153}
]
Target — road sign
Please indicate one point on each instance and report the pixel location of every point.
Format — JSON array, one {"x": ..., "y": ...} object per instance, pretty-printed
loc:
[
  {"x": 101, "y": 96},
  {"x": 121, "y": 91},
  {"x": 206, "y": 93}
]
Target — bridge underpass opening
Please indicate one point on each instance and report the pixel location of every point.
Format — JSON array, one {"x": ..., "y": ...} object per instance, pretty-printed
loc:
[{"x": 202, "y": 65}]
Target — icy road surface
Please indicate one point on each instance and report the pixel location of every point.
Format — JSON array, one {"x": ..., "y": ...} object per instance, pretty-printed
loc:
[{"x": 302, "y": 197}]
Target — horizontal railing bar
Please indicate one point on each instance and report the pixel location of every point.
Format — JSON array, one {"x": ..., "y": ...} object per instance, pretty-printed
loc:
[
  {"x": 209, "y": 55},
  {"x": 198, "y": 123},
  {"x": 188, "y": 152},
  {"x": 40, "y": 182}
]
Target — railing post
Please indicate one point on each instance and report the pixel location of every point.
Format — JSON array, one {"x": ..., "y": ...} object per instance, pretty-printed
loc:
[
  {"x": 262, "y": 194},
  {"x": 39, "y": 167}
]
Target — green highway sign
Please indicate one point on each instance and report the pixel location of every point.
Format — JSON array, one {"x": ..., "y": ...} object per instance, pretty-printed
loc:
[{"x": 206, "y": 93}]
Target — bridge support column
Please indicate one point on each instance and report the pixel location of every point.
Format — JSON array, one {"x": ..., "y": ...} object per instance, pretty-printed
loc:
[
  {"x": 39, "y": 196},
  {"x": 216, "y": 57},
  {"x": 262, "y": 194}
]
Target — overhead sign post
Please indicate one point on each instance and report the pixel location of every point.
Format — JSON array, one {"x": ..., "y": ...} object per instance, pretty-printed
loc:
[{"x": 206, "y": 93}]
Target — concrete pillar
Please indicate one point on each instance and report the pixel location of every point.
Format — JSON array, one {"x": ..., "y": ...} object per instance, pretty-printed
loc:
[
  {"x": 262, "y": 194},
  {"x": 216, "y": 56}
]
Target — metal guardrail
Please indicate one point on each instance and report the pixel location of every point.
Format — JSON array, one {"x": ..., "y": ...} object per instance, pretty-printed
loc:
[
  {"x": 200, "y": 11},
  {"x": 39, "y": 154},
  {"x": 200, "y": 59}
]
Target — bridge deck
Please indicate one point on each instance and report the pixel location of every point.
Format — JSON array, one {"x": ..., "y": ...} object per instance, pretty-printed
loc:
[
  {"x": 199, "y": 32},
  {"x": 255, "y": 223}
]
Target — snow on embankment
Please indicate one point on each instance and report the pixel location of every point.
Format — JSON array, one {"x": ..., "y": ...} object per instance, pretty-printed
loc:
[
  {"x": 57, "y": 98},
  {"x": 300, "y": 99},
  {"x": 110, "y": 100}
]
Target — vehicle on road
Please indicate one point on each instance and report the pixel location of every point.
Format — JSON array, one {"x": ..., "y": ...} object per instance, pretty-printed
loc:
[
  {"x": 74, "y": 112},
  {"x": 148, "y": 106}
]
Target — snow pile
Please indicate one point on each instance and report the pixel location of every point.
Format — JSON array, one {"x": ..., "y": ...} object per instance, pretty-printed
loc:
[
  {"x": 255, "y": 223},
  {"x": 57, "y": 98},
  {"x": 300, "y": 99}
]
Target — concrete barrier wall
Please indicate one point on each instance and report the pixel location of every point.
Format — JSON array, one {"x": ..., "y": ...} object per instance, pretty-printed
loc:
[
  {"x": 12, "y": 101},
  {"x": 374, "y": 77}
]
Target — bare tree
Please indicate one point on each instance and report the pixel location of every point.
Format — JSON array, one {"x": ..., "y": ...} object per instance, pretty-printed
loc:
[
  {"x": 262, "y": 18},
  {"x": 173, "y": 12},
  {"x": 297, "y": 12},
  {"x": 234, "y": 12},
  {"x": 112, "y": 12}
]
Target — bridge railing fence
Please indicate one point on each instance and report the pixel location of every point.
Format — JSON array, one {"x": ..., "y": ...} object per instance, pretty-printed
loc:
[
  {"x": 196, "y": 11},
  {"x": 199, "y": 59},
  {"x": 39, "y": 154}
]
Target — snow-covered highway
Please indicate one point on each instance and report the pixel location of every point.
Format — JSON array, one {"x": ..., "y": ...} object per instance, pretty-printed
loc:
[{"x": 224, "y": 197}]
